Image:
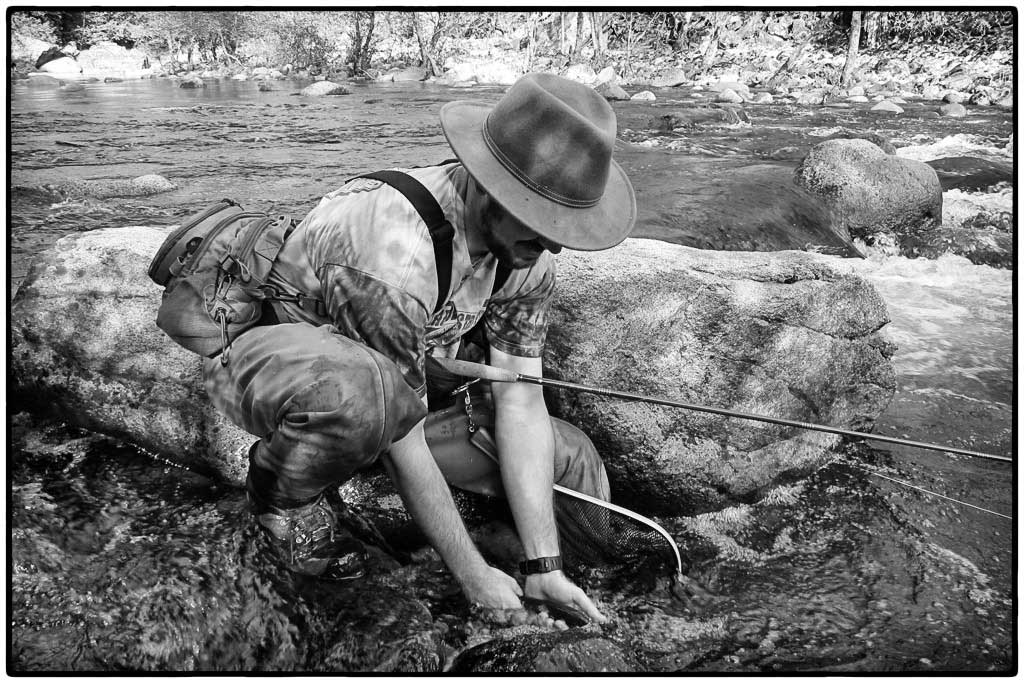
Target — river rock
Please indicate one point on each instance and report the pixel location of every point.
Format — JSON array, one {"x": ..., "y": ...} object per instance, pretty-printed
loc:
[
  {"x": 887, "y": 107},
  {"x": 407, "y": 75},
  {"x": 105, "y": 188},
  {"x": 785, "y": 334},
  {"x": 644, "y": 96},
  {"x": 871, "y": 192},
  {"x": 324, "y": 88},
  {"x": 669, "y": 78},
  {"x": 729, "y": 96},
  {"x": 954, "y": 97},
  {"x": 124, "y": 377},
  {"x": 62, "y": 66},
  {"x": 953, "y": 110},
  {"x": 571, "y": 652},
  {"x": 986, "y": 246},
  {"x": 71, "y": 86},
  {"x": 50, "y": 54},
  {"x": 857, "y": 99},
  {"x": 192, "y": 82},
  {"x": 782, "y": 334},
  {"x": 850, "y": 134},
  {"x": 612, "y": 91}
]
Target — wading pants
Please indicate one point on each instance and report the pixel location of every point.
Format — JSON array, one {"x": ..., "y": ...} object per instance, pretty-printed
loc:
[{"x": 324, "y": 406}]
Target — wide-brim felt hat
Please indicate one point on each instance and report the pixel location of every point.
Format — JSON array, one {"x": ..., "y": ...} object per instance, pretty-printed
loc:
[{"x": 544, "y": 153}]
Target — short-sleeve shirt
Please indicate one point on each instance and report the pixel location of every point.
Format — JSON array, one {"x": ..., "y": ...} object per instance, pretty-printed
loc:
[{"x": 365, "y": 251}]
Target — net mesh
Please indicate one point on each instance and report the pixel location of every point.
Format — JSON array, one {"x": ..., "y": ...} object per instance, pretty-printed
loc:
[{"x": 595, "y": 535}]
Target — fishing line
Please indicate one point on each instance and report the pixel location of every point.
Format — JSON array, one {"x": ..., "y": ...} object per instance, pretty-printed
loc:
[{"x": 869, "y": 470}]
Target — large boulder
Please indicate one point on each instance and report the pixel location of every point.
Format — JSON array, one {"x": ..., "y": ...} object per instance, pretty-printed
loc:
[
  {"x": 62, "y": 66},
  {"x": 84, "y": 341},
  {"x": 784, "y": 334},
  {"x": 872, "y": 193}
]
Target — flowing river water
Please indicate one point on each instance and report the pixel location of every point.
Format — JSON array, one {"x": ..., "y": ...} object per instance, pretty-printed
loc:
[{"x": 844, "y": 571}]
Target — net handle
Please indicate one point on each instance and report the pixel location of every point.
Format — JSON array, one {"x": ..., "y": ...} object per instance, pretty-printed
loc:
[{"x": 628, "y": 513}]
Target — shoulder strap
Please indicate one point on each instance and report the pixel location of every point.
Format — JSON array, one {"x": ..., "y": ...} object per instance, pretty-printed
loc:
[
  {"x": 500, "y": 277},
  {"x": 441, "y": 231}
]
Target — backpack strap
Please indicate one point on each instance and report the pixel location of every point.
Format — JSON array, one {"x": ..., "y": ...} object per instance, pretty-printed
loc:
[{"x": 441, "y": 231}]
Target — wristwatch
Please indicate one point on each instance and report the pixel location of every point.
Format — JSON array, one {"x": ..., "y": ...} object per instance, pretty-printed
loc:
[{"x": 541, "y": 565}]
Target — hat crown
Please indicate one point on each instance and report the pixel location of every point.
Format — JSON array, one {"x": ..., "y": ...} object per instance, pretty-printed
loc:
[{"x": 556, "y": 136}]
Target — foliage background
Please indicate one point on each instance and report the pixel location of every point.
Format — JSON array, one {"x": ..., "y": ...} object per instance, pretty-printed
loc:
[{"x": 357, "y": 41}]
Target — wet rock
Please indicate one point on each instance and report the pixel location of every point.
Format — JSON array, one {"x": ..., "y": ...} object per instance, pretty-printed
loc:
[
  {"x": 692, "y": 118},
  {"x": 856, "y": 91},
  {"x": 570, "y": 652},
  {"x": 953, "y": 110},
  {"x": 112, "y": 79},
  {"x": 857, "y": 99},
  {"x": 954, "y": 97},
  {"x": 644, "y": 96},
  {"x": 987, "y": 246},
  {"x": 141, "y": 186},
  {"x": 931, "y": 92},
  {"x": 730, "y": 96},
  {"x": 887, "y": 107},
  {"x": 71, "y": 87},
  {"x": 970, "y": 173},
  {"x": 762, "y": 98},
  {"x": 323, "y": 89},
  {"x": 263, "y": 86},
  {"x": 192, "y": 82},
  {"x": 871, "y": 192},
  {"x": 669, "y": 78},
  {"x": 786, "y": 334},
  {"x": 612, "y": 91}
]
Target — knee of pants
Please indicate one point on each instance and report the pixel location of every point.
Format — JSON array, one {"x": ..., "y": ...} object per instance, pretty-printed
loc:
[{"x": 577, "y": 463}]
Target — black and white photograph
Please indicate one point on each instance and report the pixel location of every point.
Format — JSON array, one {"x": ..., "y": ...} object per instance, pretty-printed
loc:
[{"x": 470, "y": 340}]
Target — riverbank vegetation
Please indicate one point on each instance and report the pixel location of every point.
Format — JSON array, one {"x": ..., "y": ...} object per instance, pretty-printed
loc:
[{"x": 354, "y": 43}]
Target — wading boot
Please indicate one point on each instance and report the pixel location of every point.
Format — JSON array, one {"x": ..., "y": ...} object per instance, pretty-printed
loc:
[{"x": 308, "y": 540}]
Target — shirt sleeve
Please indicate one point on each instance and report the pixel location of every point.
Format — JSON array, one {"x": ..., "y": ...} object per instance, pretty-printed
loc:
[
  {"x": 382, "y": 316},
  {"x": 516, "y": 316}
]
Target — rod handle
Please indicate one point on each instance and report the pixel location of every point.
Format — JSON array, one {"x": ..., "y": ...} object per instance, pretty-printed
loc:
[{"x": 466, "y": 369}]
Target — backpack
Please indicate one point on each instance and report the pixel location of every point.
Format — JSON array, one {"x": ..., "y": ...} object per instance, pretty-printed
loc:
[{"x": 214, "y": 269}]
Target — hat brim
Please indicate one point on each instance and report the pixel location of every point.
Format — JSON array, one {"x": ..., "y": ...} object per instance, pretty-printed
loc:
[{"x": 601, "y": 226}]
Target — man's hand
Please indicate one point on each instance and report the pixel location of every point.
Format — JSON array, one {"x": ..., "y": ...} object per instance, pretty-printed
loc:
[
  {"x": 555, "y": 587},
  {"x": 493, "y": 589}
]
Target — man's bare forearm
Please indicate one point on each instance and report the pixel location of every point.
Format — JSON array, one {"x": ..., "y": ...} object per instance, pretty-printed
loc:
[
  {"x": 526, "y": 453},
  {"x": 429, "y": 501}
]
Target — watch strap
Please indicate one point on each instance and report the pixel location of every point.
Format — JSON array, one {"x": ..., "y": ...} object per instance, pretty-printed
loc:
[{"x": 541, "y": 565}]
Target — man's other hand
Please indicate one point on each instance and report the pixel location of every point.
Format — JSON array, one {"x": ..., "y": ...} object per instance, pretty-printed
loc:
[
  {"x": 555, "y": 587},
  {"x": 493, "y": 589}
]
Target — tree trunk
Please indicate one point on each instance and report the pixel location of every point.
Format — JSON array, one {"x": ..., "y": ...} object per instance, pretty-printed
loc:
[
  {"x": 364, "y": 52},
  {"x": 577, "y": 48},
  {"x": 596, "y": 30},
  {"x": 428, "y": 61},
  {"x": 871, "y": 30},
  {"x": 851, "y": 51}
]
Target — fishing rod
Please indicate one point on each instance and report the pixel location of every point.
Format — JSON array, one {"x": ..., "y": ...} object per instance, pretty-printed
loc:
[{"x": 493, "y": 374}]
